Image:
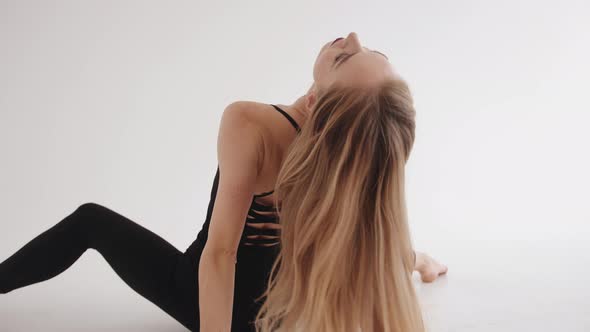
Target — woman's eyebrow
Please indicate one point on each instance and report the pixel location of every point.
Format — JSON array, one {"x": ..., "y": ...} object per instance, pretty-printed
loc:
[{"x": 350, "y": 56}]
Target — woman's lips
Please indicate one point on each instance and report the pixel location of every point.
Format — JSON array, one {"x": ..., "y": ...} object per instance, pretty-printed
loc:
[{"x": 335, "y": 40}]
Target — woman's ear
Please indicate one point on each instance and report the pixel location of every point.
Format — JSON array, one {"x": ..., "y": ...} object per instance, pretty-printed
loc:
[
  {"x": 310, "y": 100},
  {"x": 310, "y": 97}
]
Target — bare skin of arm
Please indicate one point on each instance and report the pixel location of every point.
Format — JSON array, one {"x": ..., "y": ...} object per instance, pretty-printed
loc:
[{"x": 239, "y": 150}]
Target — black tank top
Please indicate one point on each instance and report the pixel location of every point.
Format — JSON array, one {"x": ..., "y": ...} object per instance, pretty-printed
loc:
[{"x": 257, "y": 213}]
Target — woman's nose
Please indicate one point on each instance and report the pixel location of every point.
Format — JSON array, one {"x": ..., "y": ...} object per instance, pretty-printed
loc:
[{"x": 353, "y": 41}]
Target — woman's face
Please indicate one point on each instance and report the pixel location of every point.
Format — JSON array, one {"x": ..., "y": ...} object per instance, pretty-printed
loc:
[{"x": 346, "y": 61}]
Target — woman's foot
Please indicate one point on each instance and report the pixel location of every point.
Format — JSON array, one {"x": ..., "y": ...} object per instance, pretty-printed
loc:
[{"x": 429, "y": 268}]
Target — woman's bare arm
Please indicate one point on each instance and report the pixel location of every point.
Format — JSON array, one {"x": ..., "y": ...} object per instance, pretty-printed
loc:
[{"x": 239, "y": 155}]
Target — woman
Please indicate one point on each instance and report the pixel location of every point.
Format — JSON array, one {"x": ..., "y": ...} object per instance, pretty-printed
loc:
[
  {"x": 217, "y": 284},
  {"x": 346, "y": 257}
]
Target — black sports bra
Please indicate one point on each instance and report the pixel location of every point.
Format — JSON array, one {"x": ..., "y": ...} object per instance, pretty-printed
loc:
[{"x": 293, "y": 122}]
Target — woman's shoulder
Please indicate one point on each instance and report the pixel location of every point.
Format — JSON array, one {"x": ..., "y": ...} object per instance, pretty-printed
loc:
[
  {"x": 253, "y": 112},
  {"x": 250, "y": 118},
  {"x": 248, "y": 108}
]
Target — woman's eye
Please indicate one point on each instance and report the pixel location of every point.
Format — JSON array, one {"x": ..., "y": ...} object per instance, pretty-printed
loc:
[{"x": 339, "y": 56}]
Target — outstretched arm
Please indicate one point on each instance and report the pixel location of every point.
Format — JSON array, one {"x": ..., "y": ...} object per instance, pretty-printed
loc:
[{"x": 238, "y": 151}]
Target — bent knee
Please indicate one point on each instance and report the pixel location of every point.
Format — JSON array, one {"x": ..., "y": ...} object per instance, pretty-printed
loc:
[
  {"x": 89, "y": 206},
  {"x": 93, "y": 209},
  {"x": 90, "y": 217}
]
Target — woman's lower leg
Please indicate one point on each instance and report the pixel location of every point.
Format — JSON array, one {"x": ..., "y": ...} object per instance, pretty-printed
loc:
[{"x": 45, "y": 256}]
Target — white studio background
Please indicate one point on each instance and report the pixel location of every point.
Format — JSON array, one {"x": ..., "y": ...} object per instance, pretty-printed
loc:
[{"x": 118, "y": 103}]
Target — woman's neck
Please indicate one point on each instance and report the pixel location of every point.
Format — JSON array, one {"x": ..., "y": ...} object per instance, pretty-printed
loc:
[{"x": 298, "y": 110}]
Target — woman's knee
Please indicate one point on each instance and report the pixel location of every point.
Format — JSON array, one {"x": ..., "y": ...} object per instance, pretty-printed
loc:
[
  {"x": 87, "y": 215},
  {"x": 89, "y": 206},
  {"x": 93, "y": 211},
  {"x": 93, "y": 222}
]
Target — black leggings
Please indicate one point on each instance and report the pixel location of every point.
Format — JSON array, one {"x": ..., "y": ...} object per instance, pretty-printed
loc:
[{"x": 147, "y": 263}]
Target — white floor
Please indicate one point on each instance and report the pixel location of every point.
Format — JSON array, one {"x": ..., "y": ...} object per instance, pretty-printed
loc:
[
  {"x": 540, "y": 290},
  {"x": 486, "y": 289}
]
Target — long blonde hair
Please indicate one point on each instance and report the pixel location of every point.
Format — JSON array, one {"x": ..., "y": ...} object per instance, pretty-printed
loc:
[{"x": 346, "y": 260}]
